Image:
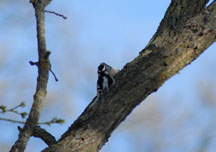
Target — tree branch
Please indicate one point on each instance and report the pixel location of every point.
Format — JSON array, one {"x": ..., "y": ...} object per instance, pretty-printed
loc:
[
  {"x": 41, "y": 133},
  {"x": 44, "y": 135},
  {"x": 53, "y": 121},
  {"x": 192, "y": 30},
  {"x": 11, "y": 120},
  {"x": 43, "y": 73},
  {"x": 57, "y": 14}
]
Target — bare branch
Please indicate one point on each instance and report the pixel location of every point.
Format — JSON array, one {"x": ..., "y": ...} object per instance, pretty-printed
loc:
[
  {"x": 56, "y": 79},
  {"x": 33, "y": 63},
  {"x": 44, "y": 135},
  {"x": 36, "y": 63},
  {"x": 41, "y": 133},
  {"x": 57, "y": 14},
  {"x": 42, "y": 80}
]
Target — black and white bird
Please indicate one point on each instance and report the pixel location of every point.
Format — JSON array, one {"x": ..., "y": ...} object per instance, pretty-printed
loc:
[{"x": 105, "y": 77}]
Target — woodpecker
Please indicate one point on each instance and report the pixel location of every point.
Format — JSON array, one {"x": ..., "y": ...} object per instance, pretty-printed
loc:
[{"x": 105, "y": 77}]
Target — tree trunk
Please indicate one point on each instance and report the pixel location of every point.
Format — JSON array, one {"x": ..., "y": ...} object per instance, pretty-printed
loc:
[{"x": 188, "y": 29}]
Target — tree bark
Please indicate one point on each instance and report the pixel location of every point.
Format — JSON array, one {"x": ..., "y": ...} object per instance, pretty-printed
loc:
[
  {"x": 42, "y": 80},
  {"x": 187, "y": 30}
]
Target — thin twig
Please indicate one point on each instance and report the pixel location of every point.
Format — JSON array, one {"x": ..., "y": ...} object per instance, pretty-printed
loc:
[
  {"x": 57, "y": 14},
  {"x": 53, "y": 74},
  {"x": 45, "y": 57},
  {"x": 53, "y": 121},
  {"x": 13, "y": 110},
  {"x": 14, "y": 121},
  {"x": 33, "y": 63}
]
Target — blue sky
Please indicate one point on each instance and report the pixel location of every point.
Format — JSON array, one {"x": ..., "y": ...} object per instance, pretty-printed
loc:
[{"x": 98, "y": 31}]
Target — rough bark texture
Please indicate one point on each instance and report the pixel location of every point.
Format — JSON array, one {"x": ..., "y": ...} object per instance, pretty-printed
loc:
[
  {"x": 187, "y": 29},
  {"x": 43, "y": 73},
  {"x": 44, "y": 135}
]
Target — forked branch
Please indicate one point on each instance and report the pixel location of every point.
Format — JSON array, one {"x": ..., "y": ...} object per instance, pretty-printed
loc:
[{"x": 42, "y": 80}]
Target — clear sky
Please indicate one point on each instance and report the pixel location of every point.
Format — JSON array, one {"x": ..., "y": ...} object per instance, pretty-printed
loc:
[{"x": 114, "y": 32}]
